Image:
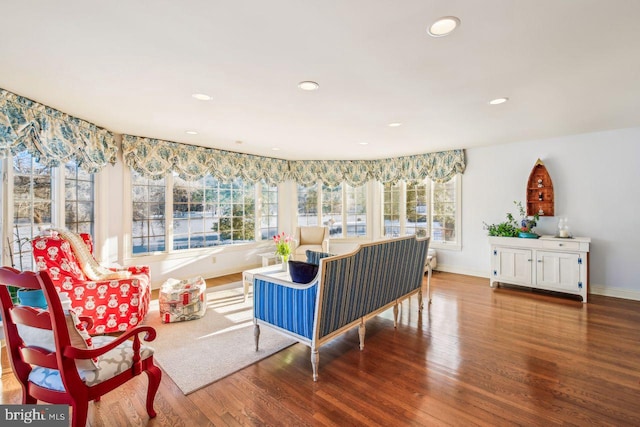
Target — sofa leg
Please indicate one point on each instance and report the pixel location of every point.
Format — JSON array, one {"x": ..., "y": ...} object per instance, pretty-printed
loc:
[
  {"x": 256, "y": 334},
  {"x": 315, "y": 359},
  {"x": 395, "y": 315},
  {"x": 361, "y": 332}
]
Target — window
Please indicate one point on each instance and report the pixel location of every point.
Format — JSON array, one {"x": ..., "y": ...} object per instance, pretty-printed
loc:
[
  {"x": 417, "y": 211},
  {"x": 308, "y": 205},
  {"x": 391, "y": 209},
  {"x": 78, "y": 199},
  {"x": 356, "y": 205},
  {"x": 332, "y": 209},
  {"x": 194, "y": 214},
  {"x": 425, "y": 209},
  {"x": 268, "y": 211},
  {"x": 204, "y": 213},
  {"x": 32, "y": 206},
  {"x": 36, "y": 207},
  {"x": 343, "y": 208},
  {"x": 444, "y": 210},
  {"x": 149, "y": 225},
  {"x": 235, "y": 211}
]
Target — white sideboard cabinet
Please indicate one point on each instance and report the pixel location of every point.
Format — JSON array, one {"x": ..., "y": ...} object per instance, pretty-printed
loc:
[{"x": 549, "y": 263}]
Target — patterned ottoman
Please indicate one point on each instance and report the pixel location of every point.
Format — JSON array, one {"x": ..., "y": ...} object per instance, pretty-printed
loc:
[{"x": 182, "y": 300}]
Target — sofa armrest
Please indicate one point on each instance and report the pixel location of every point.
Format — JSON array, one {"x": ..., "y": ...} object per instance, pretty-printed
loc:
[{"x": 284, "y": 304}]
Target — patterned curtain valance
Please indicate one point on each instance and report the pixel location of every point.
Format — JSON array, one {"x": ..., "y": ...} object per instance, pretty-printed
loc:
[
  {"x": 154, "y": 158},
  {"x": 52, "y": 136},
  {"x": 440, "y": 167}
]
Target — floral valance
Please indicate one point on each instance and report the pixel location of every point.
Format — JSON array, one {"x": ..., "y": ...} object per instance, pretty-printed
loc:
[
  {"x": 52, "y": 136},
  {"x": 154, "y": 158}
]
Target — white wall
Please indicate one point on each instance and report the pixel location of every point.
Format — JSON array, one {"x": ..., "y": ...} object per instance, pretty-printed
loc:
[{"x": 596, "y": 182}]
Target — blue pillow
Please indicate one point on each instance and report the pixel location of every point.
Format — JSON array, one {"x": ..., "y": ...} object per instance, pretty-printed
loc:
[
  {"x": 314, "y": 257},
  {"x": 302, "y": 272}
]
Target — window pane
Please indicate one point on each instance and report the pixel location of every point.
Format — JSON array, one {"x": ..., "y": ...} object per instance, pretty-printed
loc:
[
  {"x": 417, "y": 209},
  {"x": 356, "y": 210},
  {"x": 149, "y": 223},
  {"x": 308, "y": 205},
  {"x": 444, "y": 208},
  {"x": 391, "y": 208},
  {"x": 32, "y": 206},
  {"x": 268, "y": 211},
  {"x": 79, "y": 200},
  {"x": 207, "y": 212},
  {"x": 332, "y": 209}
]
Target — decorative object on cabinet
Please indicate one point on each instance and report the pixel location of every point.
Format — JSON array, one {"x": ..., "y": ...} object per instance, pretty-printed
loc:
[
  {"x": 117, "y": 300},
  {"x": 540, "y": 191},
  {"x": 564, "y": 231},
  {"x": 560, "y": 265}
]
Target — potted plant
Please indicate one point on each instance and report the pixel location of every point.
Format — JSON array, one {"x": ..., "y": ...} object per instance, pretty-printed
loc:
[{"x": 513, "y": 228}]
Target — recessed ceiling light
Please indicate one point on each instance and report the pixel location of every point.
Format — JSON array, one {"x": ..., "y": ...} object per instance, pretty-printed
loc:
[
  {"x": 239, "y": 142},
  {"x": 443, "y": 26},
  {"x": 498, "y": 101},
  {"x": 308, "y": 85},
  {"x": 363, "y": 143},
  {"x": 191, "y": 132},
  {"x": 201, "y": 96},
  {"x": 276, "y": 149},
  {"x": 394, "y": 124}
]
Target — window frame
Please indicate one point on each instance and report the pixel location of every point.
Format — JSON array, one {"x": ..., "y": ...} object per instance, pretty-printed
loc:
[
  {"x": 402, "y": 213},
  {"x": 57, "y": 199},
  {"x": 323, "y": 219}
]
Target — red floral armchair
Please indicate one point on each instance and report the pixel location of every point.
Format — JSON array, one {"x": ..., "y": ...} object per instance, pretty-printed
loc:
[{"x": 116, "y": 300}]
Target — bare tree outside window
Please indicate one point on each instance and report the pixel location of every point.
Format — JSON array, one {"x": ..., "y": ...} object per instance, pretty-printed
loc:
[
  {"x": 149, "y": 224},
  {"x": 307, "y": 205},
  {"x": 391, "y": 208},
  {"x": 268, "y": 200},
  {"x": 356, "y": 204},
  {"x": 78, "y": 199},
  {"x": 32, "y": 206},
  {"x": 332, "y": 210}
]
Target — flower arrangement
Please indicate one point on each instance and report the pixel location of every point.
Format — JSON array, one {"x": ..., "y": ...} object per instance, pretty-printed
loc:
[
  {"x": 283, "y": 245},
  {"x": 511, "y": 227}
]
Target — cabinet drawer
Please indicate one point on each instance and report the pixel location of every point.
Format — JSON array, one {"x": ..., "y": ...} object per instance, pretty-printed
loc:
[{"x": 554, "y": 244}]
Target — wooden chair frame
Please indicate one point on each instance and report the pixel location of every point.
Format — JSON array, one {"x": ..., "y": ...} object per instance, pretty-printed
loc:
[{"x": 77, "y": 394}]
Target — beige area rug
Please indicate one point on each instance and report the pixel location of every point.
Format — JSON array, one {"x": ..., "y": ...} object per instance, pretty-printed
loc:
[{"x": 199, "y": 352}]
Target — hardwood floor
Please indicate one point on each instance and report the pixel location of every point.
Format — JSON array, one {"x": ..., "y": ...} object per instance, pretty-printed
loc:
[{"x": 476, "y": 356}]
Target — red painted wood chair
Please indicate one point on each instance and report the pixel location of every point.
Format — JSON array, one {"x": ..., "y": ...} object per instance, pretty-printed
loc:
[{"x": 52, "y": 367}]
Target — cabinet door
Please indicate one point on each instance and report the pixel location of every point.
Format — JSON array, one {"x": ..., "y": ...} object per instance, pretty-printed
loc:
[
  {"x": 557, "y": 270},
  {"x": 512, "y": 265}
]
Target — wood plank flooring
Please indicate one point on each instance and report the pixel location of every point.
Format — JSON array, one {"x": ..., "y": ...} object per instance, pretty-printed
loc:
[{"x": 476, "y": 356}]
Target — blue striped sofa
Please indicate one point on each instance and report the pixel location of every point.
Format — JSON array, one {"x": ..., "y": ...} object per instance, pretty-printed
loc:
[{"x": 347, "y": 290}]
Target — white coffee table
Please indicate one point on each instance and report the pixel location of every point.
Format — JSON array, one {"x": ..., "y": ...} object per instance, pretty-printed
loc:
[{"x": 270, "y": 270}]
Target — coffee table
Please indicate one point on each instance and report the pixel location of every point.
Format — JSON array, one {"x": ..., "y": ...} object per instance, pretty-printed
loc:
[{"x": 270, "y": 270}]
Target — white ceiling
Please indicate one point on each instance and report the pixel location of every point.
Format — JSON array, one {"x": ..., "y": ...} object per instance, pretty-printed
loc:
[{"x": 568, "y": 67}]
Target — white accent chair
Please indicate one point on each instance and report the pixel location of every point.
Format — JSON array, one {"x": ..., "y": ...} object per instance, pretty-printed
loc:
[{"x": 314, "y": 238}]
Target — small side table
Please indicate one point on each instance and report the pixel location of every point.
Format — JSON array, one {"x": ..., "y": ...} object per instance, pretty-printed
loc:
[
  {"x": 247, "y": 275},
  {"x": 268, "y": 258}
]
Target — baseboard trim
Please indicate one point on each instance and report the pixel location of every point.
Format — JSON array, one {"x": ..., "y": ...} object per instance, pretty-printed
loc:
[
  {"x": 457, "y": 270},
  {"x": 614, "y": 292},
  {"x": 606, "y": 291}
]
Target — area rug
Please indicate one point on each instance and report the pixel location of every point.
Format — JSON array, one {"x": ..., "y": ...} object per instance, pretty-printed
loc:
[{"x": 199, "y": 352}]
